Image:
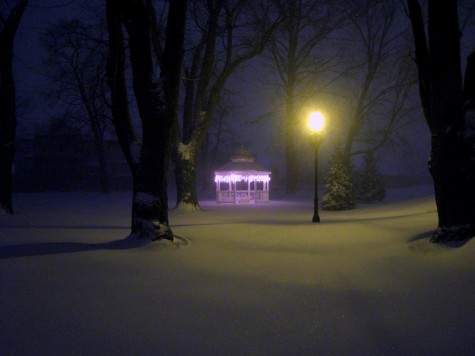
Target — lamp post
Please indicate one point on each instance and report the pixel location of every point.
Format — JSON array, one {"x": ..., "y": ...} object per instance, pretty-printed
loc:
[{"x": 316, "y": 122}]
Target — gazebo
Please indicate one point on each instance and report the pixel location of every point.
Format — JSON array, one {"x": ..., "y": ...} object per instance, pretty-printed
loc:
[{"x": 242, "y": 180}]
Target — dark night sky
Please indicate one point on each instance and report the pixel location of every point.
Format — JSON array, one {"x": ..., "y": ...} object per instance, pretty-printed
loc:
[
  {"x": 30, "y": 75},
  {"x": 31, "y": 78}
]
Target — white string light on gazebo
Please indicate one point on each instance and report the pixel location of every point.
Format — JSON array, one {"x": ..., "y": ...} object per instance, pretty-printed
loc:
[{"x": 241, "y": 177}]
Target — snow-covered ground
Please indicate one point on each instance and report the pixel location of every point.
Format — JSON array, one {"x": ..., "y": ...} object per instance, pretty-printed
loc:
[{"x": 259, "y": 280}]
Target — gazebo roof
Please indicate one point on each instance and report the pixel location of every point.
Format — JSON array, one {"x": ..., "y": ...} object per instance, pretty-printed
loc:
[
  {"x": 242, "y": 161},
  {"x": 242, "y": 167}
]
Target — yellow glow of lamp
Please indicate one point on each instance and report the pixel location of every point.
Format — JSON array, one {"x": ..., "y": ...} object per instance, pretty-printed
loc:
[{"x": 316, "y": 122}]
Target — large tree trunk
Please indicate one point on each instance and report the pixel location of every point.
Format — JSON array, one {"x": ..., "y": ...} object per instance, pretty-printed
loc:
[
  {"x": 197, "y": 115},
  {"x": 157, "y": 103},
  {"x": 291, "y": 164},
  {"x": 453, "y": 202},
  {"x": 8, "y": 29},
  {"x": 452, "y": 163},
  {"x": 448, "y": 113},
  {"x": 119, "y": 96}
]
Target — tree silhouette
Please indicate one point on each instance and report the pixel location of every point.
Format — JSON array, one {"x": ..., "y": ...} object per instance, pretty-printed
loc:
[
  {"x": 76, "y": 62},
  {"x": 449, "y": 109},
  {"x": 157, "y": 101},
  {"x": 369, "y": 185},
  {"x": 9, "y": 23}
]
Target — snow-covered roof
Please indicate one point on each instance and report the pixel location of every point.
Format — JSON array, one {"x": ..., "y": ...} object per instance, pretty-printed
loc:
[
  {"x": 243, "y": 166},
  {"x": 242, "y": 161}
]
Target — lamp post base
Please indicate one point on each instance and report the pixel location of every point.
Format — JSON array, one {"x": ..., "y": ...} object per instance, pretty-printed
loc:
[{"x": 316, "y": 219}]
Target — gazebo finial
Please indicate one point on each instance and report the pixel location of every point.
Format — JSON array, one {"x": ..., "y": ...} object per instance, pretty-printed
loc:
[{"x": 242, "y": 154}]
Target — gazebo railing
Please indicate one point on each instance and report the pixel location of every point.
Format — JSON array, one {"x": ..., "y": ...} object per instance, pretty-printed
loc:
[
  {"x": 262, "y": 196},
  {"x": 225, "y": 196},
  {"x": 242, "y": 196}
]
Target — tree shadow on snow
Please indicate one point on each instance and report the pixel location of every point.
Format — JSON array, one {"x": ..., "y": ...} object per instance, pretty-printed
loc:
[
  {"x": 426, "y": 236},
  {"x": 422, "y": 236},
  {"x": 67, "y": 227},
  {"x": 54, "y": 248}
]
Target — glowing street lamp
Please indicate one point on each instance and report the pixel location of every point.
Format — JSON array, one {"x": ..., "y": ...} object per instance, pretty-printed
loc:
[{"x": 316, "y": 122}]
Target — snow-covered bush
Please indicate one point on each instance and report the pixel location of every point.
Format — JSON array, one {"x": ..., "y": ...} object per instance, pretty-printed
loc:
[{"x": 339, "y": 183}]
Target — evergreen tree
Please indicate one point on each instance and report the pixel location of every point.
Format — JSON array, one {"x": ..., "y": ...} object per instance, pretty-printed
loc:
[
  {"x": 370, "y": 184},
  {"x": 339, "y": 183}
]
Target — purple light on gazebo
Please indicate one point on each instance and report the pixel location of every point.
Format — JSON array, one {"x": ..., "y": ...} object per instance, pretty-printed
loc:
[{"x": 242, "y": 180}]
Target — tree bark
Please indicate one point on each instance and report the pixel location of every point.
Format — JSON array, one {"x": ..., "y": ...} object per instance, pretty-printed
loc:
[
  {"x": 118, "y": 86},
  {"x": 157, "y": 104},
  {"x": 196, "y": 112},
  {"x": 9, "y": 26},
  {"x": 448, "y": 114}
]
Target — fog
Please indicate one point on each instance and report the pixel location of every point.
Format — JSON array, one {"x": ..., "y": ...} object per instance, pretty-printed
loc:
[
  {"x": 238, "y": 279},
  {"x": 255, "y": 118}
]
